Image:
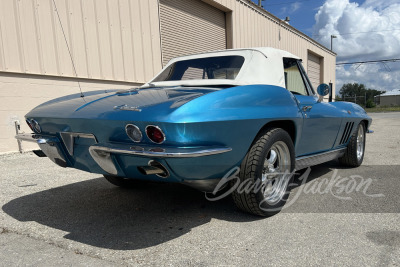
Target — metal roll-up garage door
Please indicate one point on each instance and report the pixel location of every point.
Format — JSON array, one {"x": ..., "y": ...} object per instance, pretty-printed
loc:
[
  {"x": 314, "y": 70},
  {"x": 189, "y": 27}
]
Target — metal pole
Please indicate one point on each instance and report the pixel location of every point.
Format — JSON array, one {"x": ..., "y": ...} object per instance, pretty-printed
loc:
[
  {"x": 332, "y": 36},
  {"x": 365, "y": 98},
  {"x": 259, "y": 2},
  {"x": 330, "y": 92}
]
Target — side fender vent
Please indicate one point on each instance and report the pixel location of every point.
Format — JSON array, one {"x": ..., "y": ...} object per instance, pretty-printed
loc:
[{"x": 346, "y": 133}]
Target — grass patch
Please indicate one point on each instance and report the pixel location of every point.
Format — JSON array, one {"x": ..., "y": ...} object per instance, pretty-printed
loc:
[{"x": 383, "y": 109}]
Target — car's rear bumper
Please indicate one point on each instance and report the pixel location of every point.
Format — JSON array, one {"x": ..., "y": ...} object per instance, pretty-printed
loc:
[
  {"x": 73, "y": 149},
  {"x": 50, "y": 146},
  {"x": 102, "y": 154},
  {"x": 166, "y": 152}
]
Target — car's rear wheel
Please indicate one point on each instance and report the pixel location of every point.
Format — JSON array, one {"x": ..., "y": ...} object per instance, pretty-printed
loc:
[
  {"x": 120, "y": 181},
  {"x": 266, "y": 171},
  {"x": 354, "y": 155}
]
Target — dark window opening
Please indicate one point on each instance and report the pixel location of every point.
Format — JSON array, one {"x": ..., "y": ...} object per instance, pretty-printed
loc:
[{"x": 224, "y": 67}]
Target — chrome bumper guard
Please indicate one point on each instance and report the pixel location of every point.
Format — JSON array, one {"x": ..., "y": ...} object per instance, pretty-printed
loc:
[
  {"x": 48, "y": 144},
  {"x": 102, "y": 153}
]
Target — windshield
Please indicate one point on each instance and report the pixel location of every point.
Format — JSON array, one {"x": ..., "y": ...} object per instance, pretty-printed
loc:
[{"x": 224, "y": 67}]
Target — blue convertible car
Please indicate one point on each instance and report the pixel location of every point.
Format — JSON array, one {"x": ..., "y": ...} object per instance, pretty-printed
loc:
[{"x": 201, "y": 117}]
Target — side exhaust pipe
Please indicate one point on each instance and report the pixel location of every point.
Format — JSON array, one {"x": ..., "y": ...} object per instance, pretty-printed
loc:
[
  {"x": 147, "y": 170},
  {"x": 154, "y": 167}
]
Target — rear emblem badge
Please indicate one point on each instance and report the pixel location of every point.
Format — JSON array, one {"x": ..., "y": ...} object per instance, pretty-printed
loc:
[{"x": 126, "y": 107}]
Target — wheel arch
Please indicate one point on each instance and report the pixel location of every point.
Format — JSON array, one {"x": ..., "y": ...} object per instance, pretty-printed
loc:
[
  {"x": 288, "y": 125},
  {"x": 366, "y": 124}
]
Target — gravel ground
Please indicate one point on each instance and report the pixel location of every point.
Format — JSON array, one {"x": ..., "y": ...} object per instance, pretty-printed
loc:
[{"x": 55, "y": 216}]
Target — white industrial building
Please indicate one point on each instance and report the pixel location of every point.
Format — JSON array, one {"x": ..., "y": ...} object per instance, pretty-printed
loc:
[
  {"x": 390, "y": 98},
  {"x": 123, "y": 43}
]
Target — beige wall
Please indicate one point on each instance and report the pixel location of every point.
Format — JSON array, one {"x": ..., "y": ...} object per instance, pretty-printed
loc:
[
  {"x": 19, "y": 93},
  {"x": 114, "y": 43},
  {"x": 109, "y": 39}
]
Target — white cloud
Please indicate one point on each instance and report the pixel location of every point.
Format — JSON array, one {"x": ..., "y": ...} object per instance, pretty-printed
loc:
[
  {"x": 294, "y": 7},
  {"x": 377, "y": 23},
  {"x": 291, "y": 9}
]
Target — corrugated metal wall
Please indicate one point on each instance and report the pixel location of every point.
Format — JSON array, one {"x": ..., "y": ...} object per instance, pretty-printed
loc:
[
  {"x": 190, "y": 27},
  {"x": 120, "y": 39},
  {"x": 109, "y": 39},
  {"x": 114, "y": 40},
  {"x": 314, "y": 69},
  {"x": 252, "y": 27}
]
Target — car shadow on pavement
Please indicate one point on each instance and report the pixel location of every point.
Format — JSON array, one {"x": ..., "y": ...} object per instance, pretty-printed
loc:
[{"x": 97, "y": 213}]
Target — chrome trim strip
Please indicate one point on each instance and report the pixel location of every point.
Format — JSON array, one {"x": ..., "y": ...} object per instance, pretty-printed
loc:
[
  {"x": 31, "y": 137},
  {"x": 307, "y": 161},
  {"x": 157, "y": 152},
  {"x": 102, "y": 153}
]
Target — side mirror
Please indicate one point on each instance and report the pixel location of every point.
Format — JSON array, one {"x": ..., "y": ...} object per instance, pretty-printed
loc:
[{"x": 322, "y": 90}]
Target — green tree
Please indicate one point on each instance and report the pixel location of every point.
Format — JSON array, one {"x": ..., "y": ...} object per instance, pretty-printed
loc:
[
  {"x": 370, "y": 104},
  {"x": 372, "y": 92},
  {"x": 356, "y": 89},
  {"x": 352, "y": 89},
  {"x": 338, "y": 98}
]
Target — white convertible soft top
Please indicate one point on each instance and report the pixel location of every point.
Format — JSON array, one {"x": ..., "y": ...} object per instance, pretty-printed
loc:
[{"x": 262, "y": 65}]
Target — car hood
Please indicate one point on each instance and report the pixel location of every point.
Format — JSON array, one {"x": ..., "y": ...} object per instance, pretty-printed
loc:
[{"x": 137, "y": 103}]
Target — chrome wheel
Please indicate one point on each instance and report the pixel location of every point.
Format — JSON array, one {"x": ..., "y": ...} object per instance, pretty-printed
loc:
[
  {"x": 354, "y": 154},
  {"x": 360, "y": 142},
  {"x": 266, "y": 173},
  {"x": 276, "y": 173}
]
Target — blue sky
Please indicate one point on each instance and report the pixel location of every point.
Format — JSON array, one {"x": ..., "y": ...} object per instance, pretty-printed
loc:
[
  {"x": 302, "y": 12},
  {"x": 366, "y": 30}
]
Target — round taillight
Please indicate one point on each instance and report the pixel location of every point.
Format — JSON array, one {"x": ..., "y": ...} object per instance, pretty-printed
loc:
[
  {"x": 34, "y": 125},
  {"x": 155, "y": 134},
  {"x": 133, "y": 132}
]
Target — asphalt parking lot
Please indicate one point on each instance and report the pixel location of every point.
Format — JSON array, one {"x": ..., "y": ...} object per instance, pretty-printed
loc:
[{"x": 337, "y": 216}]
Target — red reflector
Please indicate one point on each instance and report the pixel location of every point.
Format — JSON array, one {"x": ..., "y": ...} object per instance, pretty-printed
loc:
[
  {"x": 29, "y": 124},
  {"x": 155, "y": 134}
]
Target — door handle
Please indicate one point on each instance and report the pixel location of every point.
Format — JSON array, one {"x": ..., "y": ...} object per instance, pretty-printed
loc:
[{"x": 307, "y": 108}]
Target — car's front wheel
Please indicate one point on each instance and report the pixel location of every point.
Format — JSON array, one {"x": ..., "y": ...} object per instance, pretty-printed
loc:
[
  {"x": 354, "y": 155},
  {"x": 265, "y": 174}
]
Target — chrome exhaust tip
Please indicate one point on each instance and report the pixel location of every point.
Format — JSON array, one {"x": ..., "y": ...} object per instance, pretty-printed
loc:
[
  {"x": 147, "y": 170},
  {"x": 154, "y": 167}
]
